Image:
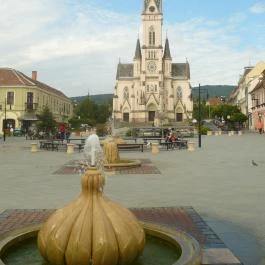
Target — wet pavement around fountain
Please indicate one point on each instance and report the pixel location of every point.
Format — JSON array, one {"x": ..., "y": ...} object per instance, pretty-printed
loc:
[{"x": 218, "y": 181}]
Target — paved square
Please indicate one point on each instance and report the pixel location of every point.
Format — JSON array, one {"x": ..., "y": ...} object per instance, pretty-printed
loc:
[{"x": 218, "y": 181}]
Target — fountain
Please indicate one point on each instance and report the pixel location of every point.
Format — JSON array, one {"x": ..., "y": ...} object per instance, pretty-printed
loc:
[
  {"x": 93, "y": 230},
  {"x": 112, "y": 155}
]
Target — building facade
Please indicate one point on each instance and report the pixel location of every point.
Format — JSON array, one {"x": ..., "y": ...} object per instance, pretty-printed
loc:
[
  {"x": 22, "y": 98},
  {"x": 249, "y": 96},
  {"x": 152, "y": 89}
]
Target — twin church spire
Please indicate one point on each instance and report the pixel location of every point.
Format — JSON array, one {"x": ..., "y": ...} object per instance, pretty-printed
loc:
[{"x": 138, "y": 53}]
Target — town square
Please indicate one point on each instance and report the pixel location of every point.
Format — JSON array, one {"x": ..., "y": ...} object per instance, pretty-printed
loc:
[{"x": 132, "y": 133}]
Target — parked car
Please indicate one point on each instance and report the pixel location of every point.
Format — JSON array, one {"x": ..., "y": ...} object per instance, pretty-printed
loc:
[{"x": 17, "y": 132}]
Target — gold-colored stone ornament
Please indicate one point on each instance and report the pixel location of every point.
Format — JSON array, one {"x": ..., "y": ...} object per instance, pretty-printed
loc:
[{"x": 91, "y": 230}]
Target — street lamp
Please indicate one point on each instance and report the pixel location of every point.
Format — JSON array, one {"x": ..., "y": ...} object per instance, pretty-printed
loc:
[
  {"x": 4, "y": 123},
  {"x": 201, "y": 90}
]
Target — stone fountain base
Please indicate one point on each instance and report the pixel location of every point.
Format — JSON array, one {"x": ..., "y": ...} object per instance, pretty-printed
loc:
[{"x": 186, "y": 219}]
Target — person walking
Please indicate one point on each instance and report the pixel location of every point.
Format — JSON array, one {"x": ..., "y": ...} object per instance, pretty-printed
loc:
[{"x": 260, "y": 126}]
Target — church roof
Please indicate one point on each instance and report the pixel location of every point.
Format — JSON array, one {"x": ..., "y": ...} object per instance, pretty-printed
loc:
[
  {"x": 167, "y": 54},
  {"x": 181, "y": 70},
  {"x": 138, "y": 53},
  {"x": 12, "y": 77},
  {"x": 124, "y": 71}
]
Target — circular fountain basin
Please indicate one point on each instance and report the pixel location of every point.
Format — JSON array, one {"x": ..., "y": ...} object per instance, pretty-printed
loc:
[
  {"x": 164, "y": 246},
  {"x": 124, "y": 164}
]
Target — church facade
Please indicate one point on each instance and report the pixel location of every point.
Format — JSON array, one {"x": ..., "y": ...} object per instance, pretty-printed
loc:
[{"x": 152, "y": 89}]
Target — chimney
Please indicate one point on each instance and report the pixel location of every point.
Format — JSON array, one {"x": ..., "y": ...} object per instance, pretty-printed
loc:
[{"x": 34, "y": 75}]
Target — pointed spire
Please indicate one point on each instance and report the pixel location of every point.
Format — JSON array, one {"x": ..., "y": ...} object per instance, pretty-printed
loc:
[
  {"x": 138, "y": 53},
  {"x": 167, "y": 54}
]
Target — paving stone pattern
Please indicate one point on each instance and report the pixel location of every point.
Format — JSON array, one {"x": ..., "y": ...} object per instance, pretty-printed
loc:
[{"x": 184, "y": 218}]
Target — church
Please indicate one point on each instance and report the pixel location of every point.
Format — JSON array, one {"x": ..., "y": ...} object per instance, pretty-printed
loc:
[{"x": 152, "y": 90}]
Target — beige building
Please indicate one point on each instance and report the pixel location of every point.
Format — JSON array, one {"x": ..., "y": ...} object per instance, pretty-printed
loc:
[
  {"x": 249, "y": 94},
  {"x": 22, "y": 97},
  {"x": 152, "y": 89}
]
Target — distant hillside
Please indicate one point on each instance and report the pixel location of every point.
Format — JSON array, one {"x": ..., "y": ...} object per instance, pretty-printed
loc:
[
  {"x": 99, "y": 99},
  {"x": 213, "y": 91}
]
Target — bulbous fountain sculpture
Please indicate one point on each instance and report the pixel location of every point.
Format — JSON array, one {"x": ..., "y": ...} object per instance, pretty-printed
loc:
[{"x": 92, "y": 229}]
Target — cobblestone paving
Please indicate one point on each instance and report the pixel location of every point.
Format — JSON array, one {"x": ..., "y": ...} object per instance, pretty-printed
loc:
[
  {"x": 72, "y": 167},
  {"x": 184, "y": 218}
]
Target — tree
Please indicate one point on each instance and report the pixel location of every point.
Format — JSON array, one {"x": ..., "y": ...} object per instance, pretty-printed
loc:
[
  {"x": 90, "y": 113},
  {"x": 46, "y": 121},
  {"x": 232, "y": 116}
]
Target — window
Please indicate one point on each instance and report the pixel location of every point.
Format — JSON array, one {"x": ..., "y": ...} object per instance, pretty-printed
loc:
[
  {"x": 179, "y": 92},
  {"x": 151, "y": 36},
  {"x": 10, "y": 98},
  {"x": 126, "y": 93},
  {"x": 30, "y": 101}
]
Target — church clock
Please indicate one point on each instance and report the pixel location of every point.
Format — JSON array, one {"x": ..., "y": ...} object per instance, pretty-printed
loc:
[{"x": 151, "y": 67}]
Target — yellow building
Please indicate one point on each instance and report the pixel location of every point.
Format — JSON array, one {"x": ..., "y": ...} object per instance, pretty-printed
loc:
[{"x": 23, "y": 97}]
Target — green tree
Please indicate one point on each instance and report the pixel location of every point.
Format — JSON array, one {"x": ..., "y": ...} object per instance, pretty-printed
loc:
[
  {"x": 205, "y": 110},
  {"x": 46, "y": 121},
  {"x": 232, "y": 116},
  {"x": 88, "y": 112}
]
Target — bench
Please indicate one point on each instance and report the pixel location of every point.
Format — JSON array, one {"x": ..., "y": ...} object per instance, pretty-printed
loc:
[
  {"x": 76, "y": 139},
  {"x": 159, "y": 140},
  {"x": 80, "y": 147},
  {"x": 180, "y": 144},
  {"x": 130, "y": 147},
  {"x": 51, "y": 145}
]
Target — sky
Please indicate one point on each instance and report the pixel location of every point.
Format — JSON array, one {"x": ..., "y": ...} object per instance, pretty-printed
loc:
[{"x": 75, "y": 45}]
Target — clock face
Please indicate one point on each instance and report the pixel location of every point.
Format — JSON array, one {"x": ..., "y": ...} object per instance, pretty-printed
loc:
[
  {"x": 151, "y": 8},
  {"x": 151, "y": 67}
]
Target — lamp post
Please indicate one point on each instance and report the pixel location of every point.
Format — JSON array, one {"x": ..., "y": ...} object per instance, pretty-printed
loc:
[
  {"x": 4, "y": 136},
  {"x": 201, "y": 90}
]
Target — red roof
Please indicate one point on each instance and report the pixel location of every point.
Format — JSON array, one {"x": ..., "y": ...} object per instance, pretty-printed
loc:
[{"x": 12, "y": 77}]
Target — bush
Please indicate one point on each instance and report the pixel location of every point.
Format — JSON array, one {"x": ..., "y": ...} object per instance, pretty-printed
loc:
[
  {"x": 129, "y": 133},
  {"x": 204, "y": 130}
]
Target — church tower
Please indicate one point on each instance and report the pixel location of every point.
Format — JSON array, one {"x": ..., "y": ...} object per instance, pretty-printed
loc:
[{"x": 152, "y": 87}]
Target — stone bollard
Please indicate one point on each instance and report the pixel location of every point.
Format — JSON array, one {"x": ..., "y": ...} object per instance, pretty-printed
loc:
[
  {"x": 230, "y": 133},
  {"x": 70, "y": 148},
  {"x": 155, "y": 148},
  {"x": 191, "y": 146},
  {"x": 34, "y": 147},
  {"x": 240, "y": 133},
  {"x": 209, "y": 133},
  {"x": 220, "y": 132},
  {"x": 216, "y": 133}
]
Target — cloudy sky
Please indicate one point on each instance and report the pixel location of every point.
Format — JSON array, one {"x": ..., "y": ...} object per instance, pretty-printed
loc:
[{"x": 75, "y": 45}]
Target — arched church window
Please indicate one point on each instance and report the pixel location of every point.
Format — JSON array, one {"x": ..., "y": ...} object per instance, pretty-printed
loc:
[
  {"x": 179, "y": 92},
  {"x": 151, "y": 36},
  {"x": 126, "y": 93}
]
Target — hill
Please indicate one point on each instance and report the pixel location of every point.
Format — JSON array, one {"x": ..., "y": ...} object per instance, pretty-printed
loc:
[
  {"x": 213, "y": 91},
  {"x": 99, "y": 99}
]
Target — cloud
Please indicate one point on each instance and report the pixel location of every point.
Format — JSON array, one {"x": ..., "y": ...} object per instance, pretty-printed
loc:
[
  {"x": 258, "y": 8},
  {"x": 76, "y": 46}
]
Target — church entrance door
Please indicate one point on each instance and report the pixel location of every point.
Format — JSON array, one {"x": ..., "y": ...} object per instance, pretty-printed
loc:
[
  {"x": 179, "y": 117},
  {"x": 151, "y": 115},
  {"x": 126, "y": 117}
]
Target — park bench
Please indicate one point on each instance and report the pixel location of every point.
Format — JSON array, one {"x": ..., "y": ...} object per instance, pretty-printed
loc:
[
  {"x": 80, "y": 147},
  {"x": 131, "y": 147},
  {"x": 180, "y": 144},
  {"x": 82, "y": 140}
]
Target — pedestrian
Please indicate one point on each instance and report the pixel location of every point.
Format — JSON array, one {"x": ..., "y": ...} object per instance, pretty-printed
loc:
[{"x": 260, "y": 126}]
